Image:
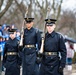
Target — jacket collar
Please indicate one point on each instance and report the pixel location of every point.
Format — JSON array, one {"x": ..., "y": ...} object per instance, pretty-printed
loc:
[
  {"x": 29, "y": 30},
  {"x": 51, "y": 34}
]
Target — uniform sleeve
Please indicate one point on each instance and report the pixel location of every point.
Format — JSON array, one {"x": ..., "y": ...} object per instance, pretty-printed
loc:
[
  {"x": 63, "y": 51},
  {"x": 38, "y": 39},
  {"x": 19, "y": 55},
  {"x": 19, "y": 58}
]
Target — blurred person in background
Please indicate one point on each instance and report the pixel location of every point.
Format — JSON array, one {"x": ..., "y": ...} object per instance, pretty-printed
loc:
[
  {"x": 74, "y": 58},
  {"x": 12, "y": 26},
  {"x": 1, "y": 38},
  {"x": 7, "y": 27},
  {"x": 70, "y": 54},
  {"x": 1, "y": 32},
  {"x": 2, "y": 43},
  {"x": 5, "y": 31},
  {"x": 18, "y": 34},
  {"x": 1, "y": 53}
]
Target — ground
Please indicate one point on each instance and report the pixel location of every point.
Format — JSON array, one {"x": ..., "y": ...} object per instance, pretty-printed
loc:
[{"x": 66, "y": 71}]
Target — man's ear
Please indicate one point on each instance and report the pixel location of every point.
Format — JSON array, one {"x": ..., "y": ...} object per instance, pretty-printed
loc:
[{"x": 54, "y": 26}]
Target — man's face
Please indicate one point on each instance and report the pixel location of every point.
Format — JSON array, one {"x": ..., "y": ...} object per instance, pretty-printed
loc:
[
  {"x": 50, "y": 28},
  {"x": 29, "y": 25},
  {"x": 13, "y": 35}
]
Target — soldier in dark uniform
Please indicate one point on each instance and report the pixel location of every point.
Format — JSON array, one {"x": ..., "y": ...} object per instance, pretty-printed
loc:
[
  {"x": 54, "y": 44},
  {"x": 31, "y": 38},
  {"x": 11, "y": 56}
]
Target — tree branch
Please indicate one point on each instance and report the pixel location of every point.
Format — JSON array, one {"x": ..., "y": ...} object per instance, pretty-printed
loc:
[
  {"x": 59, "y": 9},
  {"x": 1, "y": 2},
  {"x": 21, "y": 7},
  {"x": 6, "y": 8}
]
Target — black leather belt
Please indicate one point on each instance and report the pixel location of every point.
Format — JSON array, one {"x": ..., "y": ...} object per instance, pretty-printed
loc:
[
  {"x": 11, "y": 53},
  {"x": 29, "y": 46},
  {"x": 50, "y": 53}
]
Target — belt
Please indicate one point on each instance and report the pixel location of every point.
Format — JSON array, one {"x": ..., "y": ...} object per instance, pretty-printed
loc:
[
  {"x": 28, "y": 46},
  {"x": 50, "y": 53},
  {"x": 11, "y": 53}
]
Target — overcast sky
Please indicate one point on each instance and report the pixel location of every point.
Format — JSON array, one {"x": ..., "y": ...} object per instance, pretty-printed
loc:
[{"x": 69, "y": 4}]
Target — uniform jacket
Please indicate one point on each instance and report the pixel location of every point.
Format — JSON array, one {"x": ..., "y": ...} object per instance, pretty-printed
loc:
[
  {"x": 54, "y": 42},
  {"x": 11, "y": 62},
  {"x": 31, "y": 37}
]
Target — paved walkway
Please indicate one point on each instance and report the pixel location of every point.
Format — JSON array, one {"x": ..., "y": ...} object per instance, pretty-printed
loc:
[{"x": 66, "y": 71}]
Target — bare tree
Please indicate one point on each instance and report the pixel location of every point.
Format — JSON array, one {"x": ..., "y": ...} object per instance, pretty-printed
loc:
[
  {"x": 9, "y": 2},
  {"x": 67, "y": 23},
  {"x": 38, "y": 9}
]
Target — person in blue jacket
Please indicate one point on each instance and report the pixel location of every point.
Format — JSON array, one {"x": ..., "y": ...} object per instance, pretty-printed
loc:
[{"x": 2, "y": 43}]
